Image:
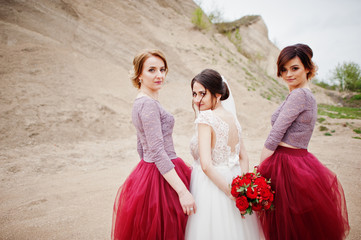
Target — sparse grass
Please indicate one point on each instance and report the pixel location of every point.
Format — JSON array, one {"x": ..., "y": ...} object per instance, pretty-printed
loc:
[
  {"x": 354, "y": 101},
  {"x": 339, "y": 112},
  {"x": 321, "y": 120},
  {"x": 357, "y": 130},
  {"x": 200, "y": 20},
  {"x": 356, "y": 97},
  {"x": 327, "y": 134},
  {"x": 356, "y": 137},
  {"x": 323, "y": 128}
]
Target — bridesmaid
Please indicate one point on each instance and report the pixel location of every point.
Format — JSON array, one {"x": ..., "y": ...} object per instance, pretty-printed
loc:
[
  {"x": 154, "y": 202},
  {"x": 309, "y": 200}
]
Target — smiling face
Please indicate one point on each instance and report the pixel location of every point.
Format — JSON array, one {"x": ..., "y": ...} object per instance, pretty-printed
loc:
[
  {"x": 202, "y": 97},
  {"x": 153, "y": 74},
  {"x": 294, "y": 74}
]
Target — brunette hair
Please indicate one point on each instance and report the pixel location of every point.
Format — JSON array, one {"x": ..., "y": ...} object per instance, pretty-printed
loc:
[
  {"x": 212, "y": 80},
  {"x": 138, "y": 63},
  {"x": 305, "y": 54}
]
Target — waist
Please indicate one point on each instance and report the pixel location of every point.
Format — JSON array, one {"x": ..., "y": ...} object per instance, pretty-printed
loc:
[
  {"x": 291, "y": 151},
  {"x": 150, "y": 160},
  {"x": 197, "y": 163}
]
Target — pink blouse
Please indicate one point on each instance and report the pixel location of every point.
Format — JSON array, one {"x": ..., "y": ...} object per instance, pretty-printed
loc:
[
  {"x": 294, "y": 120},
  {"x": 154, "y": 133}
]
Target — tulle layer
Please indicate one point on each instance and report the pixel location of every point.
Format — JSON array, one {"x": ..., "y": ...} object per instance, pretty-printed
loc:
[
  {"x": 217, "y": 216},
  {"x": 147, "y": 207},
  {"x": 309, "y": 200}
]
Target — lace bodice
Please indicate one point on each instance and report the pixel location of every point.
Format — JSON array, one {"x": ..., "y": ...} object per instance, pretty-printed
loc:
[{"x": 221, "y": 153}]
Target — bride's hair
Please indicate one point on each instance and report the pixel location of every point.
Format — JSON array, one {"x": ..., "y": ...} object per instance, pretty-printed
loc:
[{"x": 212, "y": 80}]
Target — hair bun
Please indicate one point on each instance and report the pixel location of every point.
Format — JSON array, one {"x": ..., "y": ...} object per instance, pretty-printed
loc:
[{"x": 225, "y": 93}]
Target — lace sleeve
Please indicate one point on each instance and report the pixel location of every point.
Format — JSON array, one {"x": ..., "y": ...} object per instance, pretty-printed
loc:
[
  {"x": 295, "y": 104},
  {"x": 205, "y": 117},
  {"x": 150, "y": 119},
  {"x": 139, "y": 148}
]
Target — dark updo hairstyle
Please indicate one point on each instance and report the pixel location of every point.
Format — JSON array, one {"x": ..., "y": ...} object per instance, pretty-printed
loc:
[
  {"x": 212, "y": 80},
  {"x": 305, "y": 54}
]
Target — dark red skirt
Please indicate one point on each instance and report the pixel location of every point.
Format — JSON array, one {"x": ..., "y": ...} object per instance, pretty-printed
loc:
[
  {"x": 309, "y": 200},
  {"x": 147, "y": 207}
]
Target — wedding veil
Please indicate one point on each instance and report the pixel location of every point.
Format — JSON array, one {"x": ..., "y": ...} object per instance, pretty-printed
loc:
[{"x": 228, "y": 104}]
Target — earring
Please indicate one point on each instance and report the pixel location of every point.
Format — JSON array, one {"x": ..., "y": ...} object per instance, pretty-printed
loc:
[{"x": 140, "y": 80}]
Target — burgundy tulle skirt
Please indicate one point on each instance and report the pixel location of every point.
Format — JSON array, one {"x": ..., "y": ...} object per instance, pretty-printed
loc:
[
  {"x": 147, "y": 207},
  {"x": 309, "y": 200}
]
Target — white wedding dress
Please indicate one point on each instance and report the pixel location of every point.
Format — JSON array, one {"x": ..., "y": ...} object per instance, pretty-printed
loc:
[{"x": 217, "y": 216}]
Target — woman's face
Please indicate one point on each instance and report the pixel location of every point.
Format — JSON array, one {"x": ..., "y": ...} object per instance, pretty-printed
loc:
[
  {"x": 202, "y": 97},
  {"x": 153, "y": 74},
  {"x": 294, "y": 73}
]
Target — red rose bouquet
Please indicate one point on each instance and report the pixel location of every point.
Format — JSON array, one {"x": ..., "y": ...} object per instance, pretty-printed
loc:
[{"x": 252, "y": 192}]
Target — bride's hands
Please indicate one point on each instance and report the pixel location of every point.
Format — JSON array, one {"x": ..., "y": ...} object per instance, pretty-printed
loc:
[
  {"x": 231, "y": 197},
  {"x": 187, "y": 202}
]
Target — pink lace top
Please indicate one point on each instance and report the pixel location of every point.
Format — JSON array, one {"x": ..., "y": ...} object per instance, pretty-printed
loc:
[
  {"x": 294, "y": 120},
  {"x": 154, "y": 133}
]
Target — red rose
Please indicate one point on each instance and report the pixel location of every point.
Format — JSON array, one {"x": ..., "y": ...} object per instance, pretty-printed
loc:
[
  {"x": 245, "y": 182},
  {"x": 260, "y": 182},
  {"x": 251, "y": 193},
  {"x": 242, "y": 203},
  {"x": 265, "y": 193},
  {"x": 271, "y": 197},
  {"x": 266, "y": 205},
  {"x": 236, "y": 181},
  {"x": 234, "y": 191},
  {"x": 249, "y": 176},
  {"x": 257, "y": 207}
]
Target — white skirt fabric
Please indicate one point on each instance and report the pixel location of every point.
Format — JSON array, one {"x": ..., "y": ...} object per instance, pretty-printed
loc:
[{"x": 217, "y": 216}]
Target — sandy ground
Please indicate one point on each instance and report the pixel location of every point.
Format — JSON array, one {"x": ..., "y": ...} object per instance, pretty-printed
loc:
[{"x": 66, "y": 191}]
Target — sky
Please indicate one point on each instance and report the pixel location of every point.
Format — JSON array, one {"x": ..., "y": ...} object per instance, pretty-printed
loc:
[{"x": 332, "y": 28}]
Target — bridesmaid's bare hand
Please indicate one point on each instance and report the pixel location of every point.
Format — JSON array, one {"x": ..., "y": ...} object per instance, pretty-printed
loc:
[{"x": 187, "y": 202}]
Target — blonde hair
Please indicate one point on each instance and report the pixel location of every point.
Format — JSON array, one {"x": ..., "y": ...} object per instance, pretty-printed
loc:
[{"x": 138, "y": 63}]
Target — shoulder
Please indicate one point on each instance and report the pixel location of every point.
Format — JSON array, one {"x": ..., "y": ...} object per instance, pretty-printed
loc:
[
  {"x": 146, "y": 102},
  {"x": 146, "y": 105},
  {"x": 205, "y": 117},
  {"x": 300, "y": 94}
]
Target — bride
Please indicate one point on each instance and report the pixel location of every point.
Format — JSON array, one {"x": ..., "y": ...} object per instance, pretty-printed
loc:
[{"x": 219, "y": 156}]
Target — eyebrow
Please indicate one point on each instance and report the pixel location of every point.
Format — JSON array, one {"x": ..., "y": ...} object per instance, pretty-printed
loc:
[
  {"x": 151, "y": 66},
  {"x": 201, "y": 91}
]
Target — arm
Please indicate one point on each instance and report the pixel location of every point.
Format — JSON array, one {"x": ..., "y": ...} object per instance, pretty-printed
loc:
[
  {"x": 139, "y": 148},
  {"x": 265, "y": 154},
  {"x": 185, "y": 197},
  {"x": 243, "y": 158},
  {"x": 205, "y": 152},
  {"x": 150, "y": 118},
  {"x": 294, "y": 105}
]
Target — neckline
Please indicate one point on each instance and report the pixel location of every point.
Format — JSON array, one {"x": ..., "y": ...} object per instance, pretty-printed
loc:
[
  {"x": 302, "y": 88},
  {"x": 146, "y": 96}
]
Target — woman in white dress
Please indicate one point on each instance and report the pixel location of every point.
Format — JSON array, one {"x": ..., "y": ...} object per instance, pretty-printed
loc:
[{"x": 219, "y": 156}]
